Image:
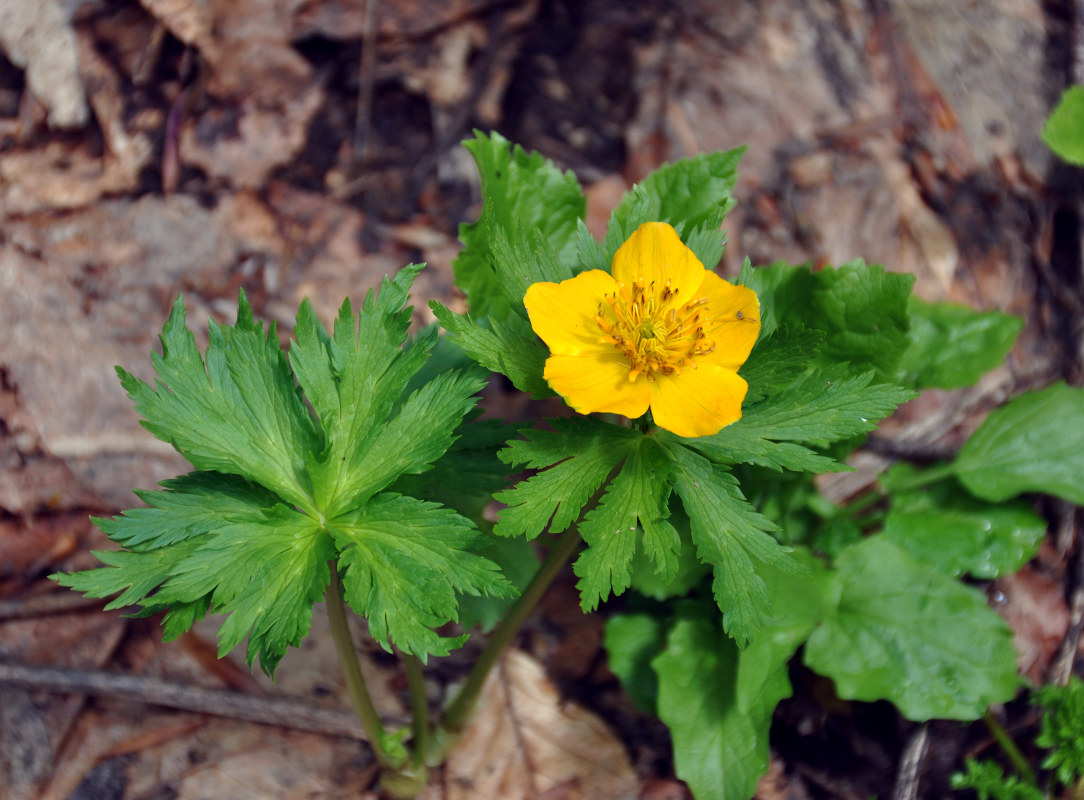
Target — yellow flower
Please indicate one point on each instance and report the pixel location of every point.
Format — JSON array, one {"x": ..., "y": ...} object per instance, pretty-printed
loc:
[{"x": 660, "y": 332}]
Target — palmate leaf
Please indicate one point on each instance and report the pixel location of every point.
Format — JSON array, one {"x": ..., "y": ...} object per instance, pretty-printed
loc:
[
  {"x": 251, "y": 534},
  {"x": 576, "y": 458},
  {"x": 693, "y": 195},
  {"x": 212, "y": 540},
  {"x": 861, "y": 309},
  {"x": 512, "y": 351},
  {"x": 826, "y": 405},
  {"x": 731, "y": 536},
  {"x": 637, "y": 498},
  {"x": 241, "y": 413},
  {"x": 521, "y": 192},
  {"x": 405, "y": 560}
]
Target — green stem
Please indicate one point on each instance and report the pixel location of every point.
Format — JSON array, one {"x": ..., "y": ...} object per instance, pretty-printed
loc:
[
  {"x": 461, "y": 708},
  {"x": 419, "y": 706},
  {"x": 1009, "y": 748},
  {"x": 355, "y": 682},
  {"x": 925, "y": 477}
]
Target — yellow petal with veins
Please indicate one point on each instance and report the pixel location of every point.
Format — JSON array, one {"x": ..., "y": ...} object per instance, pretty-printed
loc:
[
  {"x": 655, "y": 254},
  {"x": 734, "y": 314},
  {"x": 598, "y": 384},
  {"x": 563, "y": 314},
  {"x": 698, "y": 402}
]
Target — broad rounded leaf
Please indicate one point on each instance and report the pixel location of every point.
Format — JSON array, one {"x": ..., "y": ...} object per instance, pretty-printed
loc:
[
  {"x": 913, "y": 636},
  {"x": 1035, "y": 443}
]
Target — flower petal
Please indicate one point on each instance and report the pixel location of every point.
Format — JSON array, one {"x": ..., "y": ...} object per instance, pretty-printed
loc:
[
  {"x": 598, "y": 383},
  {"x": 563, "y": 314},
  {"x": 698, "y": 402},
  {"x": 735, "y": 311},
  {"x": 655, "y": 253}
]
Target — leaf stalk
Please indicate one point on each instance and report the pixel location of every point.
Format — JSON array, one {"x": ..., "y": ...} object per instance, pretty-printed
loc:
[{"x": 355, "y": 681}]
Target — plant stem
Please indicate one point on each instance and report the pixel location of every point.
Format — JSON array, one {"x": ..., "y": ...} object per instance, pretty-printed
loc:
[
  {"x": 1009, "y": 748},
  {"x": 355, "y": 682},
  {"x": 461, "y": 708},
  {"x": 419, "y": 706},
  {"x": 934, "y": 474}
]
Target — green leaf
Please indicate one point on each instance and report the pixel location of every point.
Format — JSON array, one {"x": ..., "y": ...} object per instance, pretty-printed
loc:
[
  {"x": 519, "y": 355},
  {"x": 909, "y": 634},
  {"x": 826, "y": 405},
  {"x": 576, "y": 458},
  {"x": 520, "y": 262},
  {"x": 778, "y": 359},
  {"x": 355, "y": 379},
  {"x": 943, "y": 526},
  {"x": 213, "y": 538},
  {"x": 404, "y": 560},
  {"x": 732, "y": 537},
  {"x": 798, "y": 606},
  {"x": 720, "y": 751},
  {"x": 693, "y": 195},
  {"x": 468, "y": 475},
  {"x": 690, "y": 571},
  {"x": 636, "y": 499},
  {"x": 862, "y": 310},
  {"x": 518, "y": 563},
  {"x": 249, "y": 539},
  {"x": 989, "y": 782},
  {"x": 952, "y": 346},
  {"x": 1064, "y": 129},
  {"x": 521, "y": 192},
  {"x": 631, "y": 642},
  {"x": 1063, "y": 721},
  {"x": 1034, "y": 443},
  {"x": 240, "y": 413}
]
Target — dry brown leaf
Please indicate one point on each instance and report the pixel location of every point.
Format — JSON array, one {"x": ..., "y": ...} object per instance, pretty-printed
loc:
[
  {"x": 1036, "y": 611},
  {"x": 65, "y": 175},
  {"x": 37, "y": 36},
  {"x": 525, "y": 741},
  {"x": 244, "y": 145}
]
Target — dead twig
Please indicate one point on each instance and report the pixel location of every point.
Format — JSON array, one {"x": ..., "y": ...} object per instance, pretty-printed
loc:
[
  {"x": 153, "y": 691},
  {"x": 914, "y": 754}
]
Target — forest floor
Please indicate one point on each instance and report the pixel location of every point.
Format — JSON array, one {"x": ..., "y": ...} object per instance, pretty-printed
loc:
[{"x": 306, "y": 148}]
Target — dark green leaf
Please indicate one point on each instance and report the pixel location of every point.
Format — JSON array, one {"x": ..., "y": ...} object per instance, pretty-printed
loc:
[
  {"x": 631, "y": 642},
  {"x": 944, "y": 526},
  {"x": 798, "y": 605},
  {"x": 720, "y": 751},
  {"x": 395, "y": 546},
  {"x": 909, "y": 634},
  {"x": 576, "y": 458},
  {"x": 1034, "y": 443},
  {"x": 952, "y": 346}
]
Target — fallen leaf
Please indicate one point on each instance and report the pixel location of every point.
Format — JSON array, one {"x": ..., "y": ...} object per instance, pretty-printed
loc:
[
  {"x": 1035, "y": 608},
  {"x": 38, "y": 37},
  {"x": 525, "y": 741}
]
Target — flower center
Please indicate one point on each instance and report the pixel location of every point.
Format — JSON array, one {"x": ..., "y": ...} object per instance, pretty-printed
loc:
[{"x": 657, "y": 337}]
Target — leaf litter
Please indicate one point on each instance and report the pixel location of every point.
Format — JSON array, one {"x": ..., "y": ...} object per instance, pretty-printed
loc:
[{"x": 96, "y": 243}]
